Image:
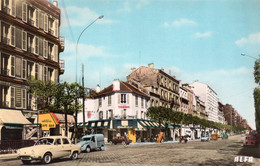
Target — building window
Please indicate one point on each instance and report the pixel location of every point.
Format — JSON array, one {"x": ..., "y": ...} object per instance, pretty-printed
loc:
[
  {"x": 18, "y": 67},
  {"x": 12, "y": 66},
  {"x": 12, "y": 35},
  {"x": 18, "y": 97},
  {"x": 142, "y": 114},
  {"x": 109, "y": 100},
  {"x": 136, "y": 101},
  {"x": 100, "y": 102},
  {"x": 110, "y": 116},
  {"x": 24, "y": 69},
  {"x": 24, "y": 99},
  {"x": 36, "y": 71},
  {"x": 123, "y": 114},
  {"x": 12, "y": 97},
  {"x": 123, "y": 98},
  {"x": 142, "y": 102},
  {"x": 18, "y": 38},
  {"x": 101, "y": 115}
]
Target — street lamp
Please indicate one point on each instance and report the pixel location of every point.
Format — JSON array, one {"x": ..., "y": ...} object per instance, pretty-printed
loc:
[
  {"x": 100, "y": 17},
  {"x": 249, "y": 56}
]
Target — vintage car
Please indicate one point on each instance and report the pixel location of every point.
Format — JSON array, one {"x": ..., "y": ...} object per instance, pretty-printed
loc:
[
  {"x": 48, "y": 148},
  {"x": 205, "y": 137},
  {"x": 251, "y": 139},
  {"x": 121, "y": 140},
  {"x": 92, "y": 142}
]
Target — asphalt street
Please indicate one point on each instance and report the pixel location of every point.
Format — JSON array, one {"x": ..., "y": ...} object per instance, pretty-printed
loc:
[{"x": 220, "y": 152}]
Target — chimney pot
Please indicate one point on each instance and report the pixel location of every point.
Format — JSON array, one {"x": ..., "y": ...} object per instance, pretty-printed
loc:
[{"x": 150, "y": 65}]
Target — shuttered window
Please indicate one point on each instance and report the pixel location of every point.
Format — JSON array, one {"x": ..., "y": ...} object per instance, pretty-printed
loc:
[
  {"x": 24, "y": 12},
  {"x": 13, "y": 7},
  {"x": 12, "y": 35},
  {"x": 12, "y": 97},
  {"x": 23, "y": 98},
  {"x": 19, "y": 9},
  {"x": 36, "y": 45},
  {"x": 40, "y": 47},
  {"x": 40, "y": 70},
  {"x": 37, "y": 18},
  {"x": 24, "y": 40},
  {"x": 36, "y": 71},
  {"x": 24, "y": 69},
  {"x": 18, "y": 38},
  {"x": 41, "y": 19},
  {"x": 18, "y": 67},
  {"x": 56, "y": 27},
  {"x": 45, "y": 74},
  {"x": 12, "y": 66},
  {"x": 45, "y": 22},
  {"x": 18, "y": 97}
]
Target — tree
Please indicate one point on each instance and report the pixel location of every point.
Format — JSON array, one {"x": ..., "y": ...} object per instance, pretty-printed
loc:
[
  {"x": 44, "y": 92},
  {"x": 158, "y": 113},
  {"x": 257, "y": 108}
]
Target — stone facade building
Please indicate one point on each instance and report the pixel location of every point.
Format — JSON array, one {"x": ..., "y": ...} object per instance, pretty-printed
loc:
[
  {"x": 162, "y": 88},
  {"x": 29, "y": 47}
]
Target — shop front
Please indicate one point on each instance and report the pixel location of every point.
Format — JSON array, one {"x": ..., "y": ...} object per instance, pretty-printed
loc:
[
  {"x": 54, "y": 124},
  {"x": 11, "y": 124}
]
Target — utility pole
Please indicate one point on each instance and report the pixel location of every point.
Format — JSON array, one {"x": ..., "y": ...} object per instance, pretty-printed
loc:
[{"x": 84, "y": 127}]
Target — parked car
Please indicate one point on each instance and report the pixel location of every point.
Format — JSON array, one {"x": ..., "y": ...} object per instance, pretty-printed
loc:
[
  {"x": 121, "y": 140},
  {"x": 92, "y": 142},
  {"x": 205, "y": 138},
  {"x": 251, "y": 139},
  {"x": 48, "y": 148}
]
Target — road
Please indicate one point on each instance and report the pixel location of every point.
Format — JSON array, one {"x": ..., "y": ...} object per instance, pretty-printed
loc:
[{"x": 221, "y": 152}]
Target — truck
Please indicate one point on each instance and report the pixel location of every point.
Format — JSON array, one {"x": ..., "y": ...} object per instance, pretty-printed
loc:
[{"x": 92, "y": 142}]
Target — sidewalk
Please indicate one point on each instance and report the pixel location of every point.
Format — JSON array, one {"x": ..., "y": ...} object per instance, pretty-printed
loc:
[{"x": 10, "y": 156}]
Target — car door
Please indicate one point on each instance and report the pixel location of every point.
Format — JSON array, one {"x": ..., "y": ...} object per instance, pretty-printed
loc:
[
  {"x": 66, "y": 147},
  {"x": 57, "y": 151}
]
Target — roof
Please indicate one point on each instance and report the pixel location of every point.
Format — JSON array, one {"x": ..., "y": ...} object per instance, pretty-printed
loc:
[{"x": 124, "y": 88}]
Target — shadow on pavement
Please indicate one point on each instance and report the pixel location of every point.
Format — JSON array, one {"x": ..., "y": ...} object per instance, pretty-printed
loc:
[{"x": 250, "y": 151}]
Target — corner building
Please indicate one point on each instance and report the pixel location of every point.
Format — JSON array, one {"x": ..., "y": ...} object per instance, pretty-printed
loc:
[{"x": 29, "y": 47}]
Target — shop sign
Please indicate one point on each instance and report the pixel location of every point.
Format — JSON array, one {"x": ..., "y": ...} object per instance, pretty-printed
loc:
[
  {"x": 124, "y": 106},
  {"x": 47, "y": 121}
]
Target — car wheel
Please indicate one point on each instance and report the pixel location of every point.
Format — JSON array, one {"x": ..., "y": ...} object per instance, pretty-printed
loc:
[
  {"x": 26, "y": 161},
  {"x": 88, "y": 149},
  {"x": 74, "y": 155},
  {"x": 46, "y": 158},
  {"x": 102, "y": 148}
]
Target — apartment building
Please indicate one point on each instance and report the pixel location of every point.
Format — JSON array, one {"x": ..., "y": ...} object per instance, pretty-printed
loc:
[
  {"x": 162, "y": 88},
  {"x": 209, "y": 96},
  {"x": 29, "y": 47},
  {"x": 184, "y": 100}
]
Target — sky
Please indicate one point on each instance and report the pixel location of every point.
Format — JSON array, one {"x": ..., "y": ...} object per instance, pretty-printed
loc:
[{"x": 191, "y": 39}]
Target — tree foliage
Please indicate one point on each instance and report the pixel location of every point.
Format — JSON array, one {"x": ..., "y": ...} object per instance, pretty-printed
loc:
[{"x": 257, "y": 108}]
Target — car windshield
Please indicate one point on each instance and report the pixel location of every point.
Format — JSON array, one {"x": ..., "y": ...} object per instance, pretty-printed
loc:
[
  {"x": 87, "y": 139},
  {"x": 44, "y": 141}
]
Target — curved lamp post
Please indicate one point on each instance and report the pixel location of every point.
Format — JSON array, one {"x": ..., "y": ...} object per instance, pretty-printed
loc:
[{"x": 100, "y": 17}]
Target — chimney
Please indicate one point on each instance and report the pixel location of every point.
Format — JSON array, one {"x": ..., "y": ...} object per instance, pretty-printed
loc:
[
  {"x": 116, "y": 85},
  {"x": 150, "y": 65},
  {"x": 133, "y": 69},
  {"x": 55, "y": 3},
  {"x": 98, "y": 88}
]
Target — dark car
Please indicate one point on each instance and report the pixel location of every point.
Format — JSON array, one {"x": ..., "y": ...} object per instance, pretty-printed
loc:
[{"x": 121, "y": 140}]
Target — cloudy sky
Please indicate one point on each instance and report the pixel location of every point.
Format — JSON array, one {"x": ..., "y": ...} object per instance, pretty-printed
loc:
[{"x": 191, "y": 39}]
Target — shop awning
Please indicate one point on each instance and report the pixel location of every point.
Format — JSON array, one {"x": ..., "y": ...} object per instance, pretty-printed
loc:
[
  {"x": 80, "y": 125},
  {"x": 12, "y": 118}
]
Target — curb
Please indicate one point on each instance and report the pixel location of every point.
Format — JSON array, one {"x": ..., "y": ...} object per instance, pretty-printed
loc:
[{"x": 8, "y": 156}]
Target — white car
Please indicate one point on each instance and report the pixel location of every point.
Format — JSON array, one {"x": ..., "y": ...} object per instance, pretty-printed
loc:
[
  {"x": 205, "y": 138},
  {"x": 48, "y": 148}
]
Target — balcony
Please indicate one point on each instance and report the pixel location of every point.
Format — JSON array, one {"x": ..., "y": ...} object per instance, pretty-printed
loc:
[
  {"x": 62, "y": 43},
  {"x": 6, "y": 9},
  {"x": 31, "y": 22},
  {"x": 62, "y": 64},
  {"x": 5, "y": 40},
  {"x": 5, "y": 72}
]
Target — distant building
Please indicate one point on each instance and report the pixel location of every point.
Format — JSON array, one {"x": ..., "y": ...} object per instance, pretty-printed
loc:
[
  {"x": 221, "y": 113},
  {"x": 209, "y": 96},
  {"x": 162, "y": 88},
  {"x": 184, "y": 100},
  {"x": 29, "y": 47}
]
